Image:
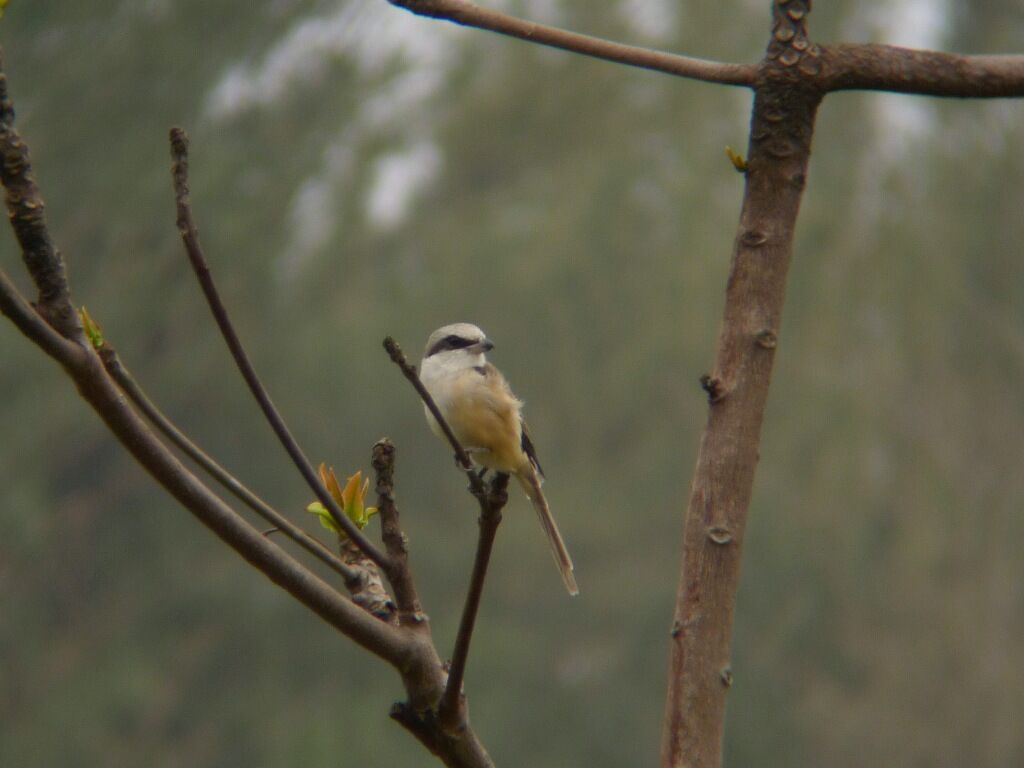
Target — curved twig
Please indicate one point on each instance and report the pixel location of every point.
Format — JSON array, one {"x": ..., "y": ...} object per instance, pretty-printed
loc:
[
  {"x": 28, "y": 320},
  {"x": 99, "y": 390},
  {"x": 120, "y": 374},
  {"x": 472, "y": 15},
  {"x": 190, "y": 237}
]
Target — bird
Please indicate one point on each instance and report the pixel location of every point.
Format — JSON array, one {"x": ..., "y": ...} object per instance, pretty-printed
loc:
[{"x": 486, "y": 418}]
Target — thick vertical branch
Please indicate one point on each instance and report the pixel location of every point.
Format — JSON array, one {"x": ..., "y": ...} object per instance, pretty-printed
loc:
[{"x": 779, "y": 150}]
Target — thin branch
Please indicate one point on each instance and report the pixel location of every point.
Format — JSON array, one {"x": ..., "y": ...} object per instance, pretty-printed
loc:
[
  {"x": 100, "y": 392},
  {"x": 25, "y": 206},
  {"x": 409, "y": 371},
  {"x": 374, "y": 635},
  {"x": 25, "y": 317},
  {"x": 367, "y": 588},
  {"x": 98, "y": 389},
  {"x": 27, "y": 215},
  {"x": 410, "y": 611},
  {"x": 451, "y": 710},
  {"x": 120, "y": 374},
  {"x": 190, "y": 237},
  {"x": 472, "y": 15},
  {"x": 902, "y": 70}
]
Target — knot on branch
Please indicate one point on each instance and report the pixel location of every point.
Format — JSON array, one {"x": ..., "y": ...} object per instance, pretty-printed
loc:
[
  {"x": 366, "y": 585},
  {"x": 789, "y": 47},
  {"x": 789, "y": 26},
  {"x": 726, "y": 676},
  {"x": 767, "y": 339},
  {"x": 714, "y": 386},
  {"x": 720, "y": 534}
]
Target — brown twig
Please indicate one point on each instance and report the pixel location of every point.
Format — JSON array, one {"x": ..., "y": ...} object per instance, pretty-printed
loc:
[
  {"x": 26, "y": 211},
  {"x": 451, "y": 710},
  {"x": 27, "y": 319},
  {"x": 190, "y": 237},
  {"x": 409, "y": 371},
  {"x": 409, "y": 609},
  {"x": 472, "y": 15},
  {"x": 902, "y": 70},
  {"x": 120, "y": 374}
]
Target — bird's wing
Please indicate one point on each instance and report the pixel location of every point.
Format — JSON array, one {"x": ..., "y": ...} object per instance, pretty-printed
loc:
[
  {"x": 488, "y": 371},
  {"x": 529, "y": 450}
]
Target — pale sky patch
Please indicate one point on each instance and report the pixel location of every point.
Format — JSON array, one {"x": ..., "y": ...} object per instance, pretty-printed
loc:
[
  {"x": 371, "y": 35},
  {"x": 903, "y": 120},
  {"x": 398, "y": 179},
  {"x": 653, "y": 20},
  {"x": 395, "y": 100}
]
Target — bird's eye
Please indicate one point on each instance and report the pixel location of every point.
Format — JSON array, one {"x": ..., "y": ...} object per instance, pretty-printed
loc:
[{"x": 450, "y": 342}]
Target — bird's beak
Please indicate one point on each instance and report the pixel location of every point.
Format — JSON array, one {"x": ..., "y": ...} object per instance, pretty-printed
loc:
[{"x": 485, "y": 346}]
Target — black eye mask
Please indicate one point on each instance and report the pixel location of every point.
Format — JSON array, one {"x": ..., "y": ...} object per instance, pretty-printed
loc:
[{"x": 450, "y": 342}]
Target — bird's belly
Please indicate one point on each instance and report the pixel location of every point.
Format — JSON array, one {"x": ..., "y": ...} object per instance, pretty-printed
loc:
[
  {"x": 492, "y": 435},
  {"x": 487, "y": 429}
]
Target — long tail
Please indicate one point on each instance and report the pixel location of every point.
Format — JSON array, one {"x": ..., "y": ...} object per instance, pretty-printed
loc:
[{"x": 531, "y": 484}]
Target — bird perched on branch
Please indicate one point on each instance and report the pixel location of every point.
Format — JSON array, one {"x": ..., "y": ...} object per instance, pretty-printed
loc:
[{"x": 481, "y": 410}]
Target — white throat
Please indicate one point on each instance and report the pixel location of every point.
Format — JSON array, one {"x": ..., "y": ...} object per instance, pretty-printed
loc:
[{"x": 447, "y": 363}]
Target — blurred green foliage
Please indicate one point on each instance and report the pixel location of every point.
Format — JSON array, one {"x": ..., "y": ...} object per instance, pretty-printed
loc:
[{"x": 396, "y": 174}]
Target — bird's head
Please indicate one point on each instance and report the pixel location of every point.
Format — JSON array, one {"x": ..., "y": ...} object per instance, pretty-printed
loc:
[{"x": 460, "y": 345}]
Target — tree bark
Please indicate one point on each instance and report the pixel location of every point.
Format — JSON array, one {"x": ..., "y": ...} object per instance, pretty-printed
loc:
[{"x": 778, "y": 154}]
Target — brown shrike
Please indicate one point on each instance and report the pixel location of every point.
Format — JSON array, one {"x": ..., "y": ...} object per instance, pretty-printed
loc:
[{"x": 478, "y": 405}]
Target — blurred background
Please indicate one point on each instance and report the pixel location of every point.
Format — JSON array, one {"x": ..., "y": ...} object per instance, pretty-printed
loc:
[{"x": 359, "y": 172}]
